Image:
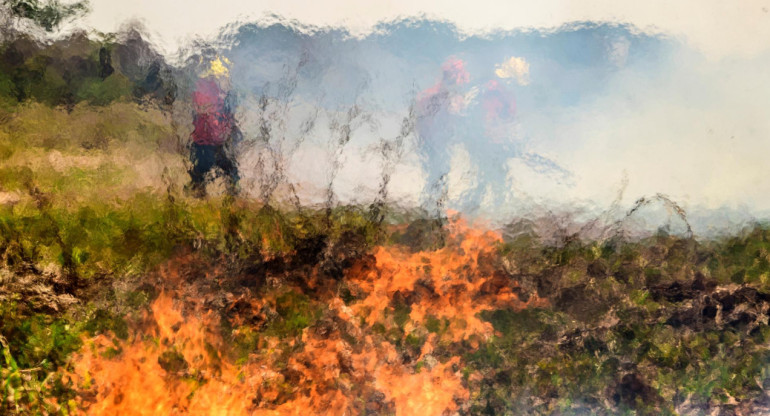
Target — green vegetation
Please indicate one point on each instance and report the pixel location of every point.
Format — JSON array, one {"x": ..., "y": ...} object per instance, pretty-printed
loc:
[
  {"x": 652, "y": 327},
  {"x": 48, "y": 15}
]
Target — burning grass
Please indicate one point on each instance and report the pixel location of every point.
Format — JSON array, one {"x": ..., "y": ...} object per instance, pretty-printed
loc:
[
  {"x": 125, "y": 299},
  {"x": 303, "y": 317},
  {"x": 225, "y": 306},
  {"x": 300, "y": 355}
]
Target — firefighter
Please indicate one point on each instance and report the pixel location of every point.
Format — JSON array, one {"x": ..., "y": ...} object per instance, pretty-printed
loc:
[
  {"x": 439, "y": 110},
  {"x": 215, "y": 129}
]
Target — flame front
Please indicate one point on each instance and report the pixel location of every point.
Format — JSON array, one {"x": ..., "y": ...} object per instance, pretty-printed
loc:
[
  {"x": 132, "y": 380},
  {"x": 354, "y": 360}
]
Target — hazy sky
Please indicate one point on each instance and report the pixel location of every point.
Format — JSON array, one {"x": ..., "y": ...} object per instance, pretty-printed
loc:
[{"x": 716, "y": 27}]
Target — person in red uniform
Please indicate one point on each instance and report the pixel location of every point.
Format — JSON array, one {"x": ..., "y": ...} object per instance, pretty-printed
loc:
[
  {"x": 215, "y": 130},
  {"x": 488, "y": 140},
  {"x": 439, "y": 112}
]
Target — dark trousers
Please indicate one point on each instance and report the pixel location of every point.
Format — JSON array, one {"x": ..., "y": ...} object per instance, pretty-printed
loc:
[{"x": 206, "y": 157}]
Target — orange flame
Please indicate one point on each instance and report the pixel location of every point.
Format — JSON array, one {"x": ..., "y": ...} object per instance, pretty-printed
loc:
[
  {"x": 179, "y": 364},
  {"x": 135, "y": 382},
  {"x": 454, "y": 281}
]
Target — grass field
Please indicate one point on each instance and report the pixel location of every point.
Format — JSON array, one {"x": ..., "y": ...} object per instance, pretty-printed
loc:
[{"x": 118, "y": 292}]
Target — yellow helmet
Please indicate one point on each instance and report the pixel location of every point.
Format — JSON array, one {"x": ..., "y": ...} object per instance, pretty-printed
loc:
[{"x": 218, "y": 68}]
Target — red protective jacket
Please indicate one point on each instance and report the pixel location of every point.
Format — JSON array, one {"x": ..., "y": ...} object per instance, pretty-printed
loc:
[{"x": 213, "y": 122}]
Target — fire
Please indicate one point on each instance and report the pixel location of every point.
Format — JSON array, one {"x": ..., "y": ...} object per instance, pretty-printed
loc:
[
  {"x": 177, "y": 361},
  {"x": 171, "y": 369},
  {"x": 453, "y": 282},
  {"x": 423, "y": 393}
]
